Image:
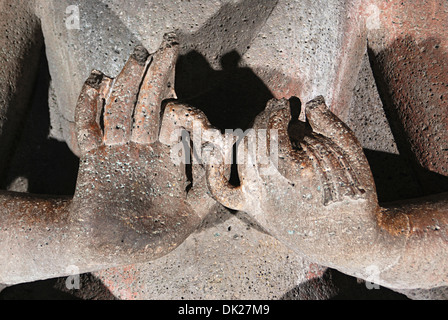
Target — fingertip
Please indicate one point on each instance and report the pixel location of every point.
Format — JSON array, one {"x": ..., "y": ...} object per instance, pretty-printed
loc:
[
  {"x": 120, "y": 107},
  {"x": 95, "y": 79},
  {"x": 316, "y": 102},
  {"x": 274, "y": 105},
  {"x": 88, "y": 131},
  {"x": 157, "y": 85}
]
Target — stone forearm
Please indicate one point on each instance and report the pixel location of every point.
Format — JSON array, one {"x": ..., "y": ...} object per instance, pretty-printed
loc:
[
  {"x": 424, "y": 260},
  {"x": 39, "y": 239}
]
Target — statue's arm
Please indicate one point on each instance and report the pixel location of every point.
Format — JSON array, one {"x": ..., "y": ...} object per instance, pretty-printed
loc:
[{"x": 423, "y": 222}]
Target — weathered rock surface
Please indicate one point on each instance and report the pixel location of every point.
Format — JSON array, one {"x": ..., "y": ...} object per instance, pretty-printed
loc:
[{"x": 236, "y": 55}]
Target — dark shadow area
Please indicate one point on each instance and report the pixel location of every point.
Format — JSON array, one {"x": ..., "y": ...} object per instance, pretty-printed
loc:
[
  {"x": 335, "y": 285},
  {"x": 412, "y": 81},
  {"x": 40, "y": 290},
  {"x": 209, "y": 74},
  {"x": 395, "y": 179},
  {"x": 90, "y": 288},
  {"x": 296, "y": 107},
  {"x": 47, "y": 164},
  {"x": 231, "y": 98},
  {"x": 297, "y": 129}
]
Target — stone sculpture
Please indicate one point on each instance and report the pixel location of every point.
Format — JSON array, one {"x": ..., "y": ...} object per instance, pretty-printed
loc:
[
  {"x": 327, "y": 171},
  {"x": 133, "y": 203}
]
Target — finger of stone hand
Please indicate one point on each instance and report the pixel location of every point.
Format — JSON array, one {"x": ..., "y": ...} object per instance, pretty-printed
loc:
[
  {"x": 182, "y": 116},
  {"x": 275, "y": 119},
  {"x": 104, "y": 92},
  {"x": 88, "y": 130},
  {"x": 178, "y": 115},
  {"x": 217, "y": 182},
  {"x": 338, "y": 177},
  {"x": 120, "y": 105},
  {"x": 158, "y": 85},
  {"x": 279, "y": 119},
  {"x": 326, "y": 123}
]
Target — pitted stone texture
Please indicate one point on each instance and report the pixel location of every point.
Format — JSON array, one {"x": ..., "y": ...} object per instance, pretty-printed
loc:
[
  {"x": 228, "y": 258},
  {"x": 440, "y": 293},
  {"x": 101, "y": 43},
  {"x": 109, "y": 30},
  {"x": 366, "y": 116},
  {"x": 293, "y": 44},
  {"x": 410, "y": 52},
  {"x": 394, "y": 178},
  {"x": 21, "y": 43},
  {"x": 117, "y": 41},
  {"x": 279, "y": 40}
]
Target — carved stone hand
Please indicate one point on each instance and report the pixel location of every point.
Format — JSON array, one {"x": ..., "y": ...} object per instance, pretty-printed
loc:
[
  {"x": 317, "y": 195},
  {"x": 129, "y": 193},
  {"x": 131, "y": 202}
]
